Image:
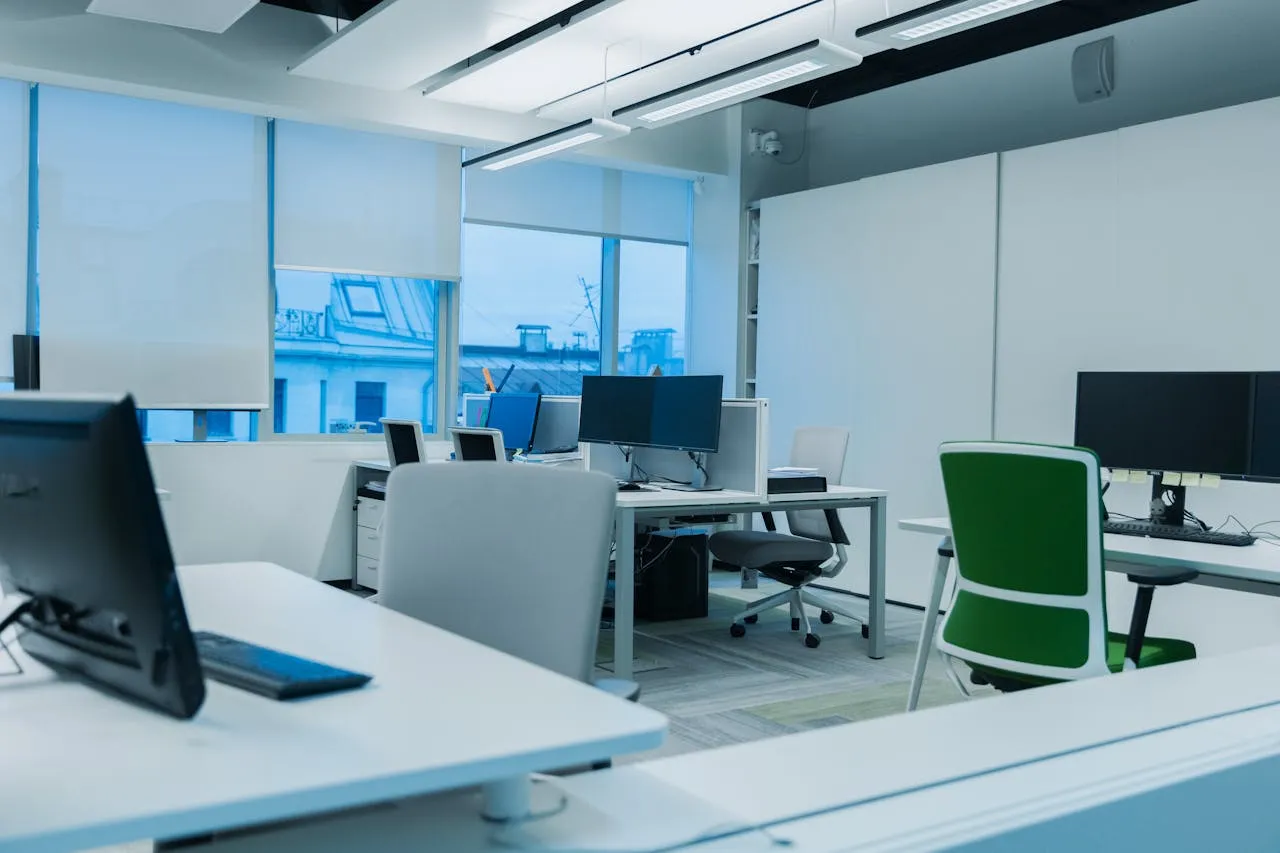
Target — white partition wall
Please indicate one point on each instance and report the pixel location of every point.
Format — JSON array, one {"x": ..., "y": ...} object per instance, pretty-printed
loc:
[
  {"x": 876, "y": 311},
  {"x": 1150, "y": 248}
]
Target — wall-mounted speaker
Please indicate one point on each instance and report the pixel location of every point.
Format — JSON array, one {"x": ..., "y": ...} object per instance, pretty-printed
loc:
[
  {"x": 1093, "y": 70},
  {"x": 26, "y": 362}
]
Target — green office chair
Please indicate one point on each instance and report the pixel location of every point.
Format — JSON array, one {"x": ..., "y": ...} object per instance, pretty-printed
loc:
[{"x": 1030, "y": 601}]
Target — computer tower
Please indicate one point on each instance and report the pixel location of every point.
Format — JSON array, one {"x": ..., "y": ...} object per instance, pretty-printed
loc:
[
  {"x": 26, "y": 362},
  {"x": 671, "y": 575}
]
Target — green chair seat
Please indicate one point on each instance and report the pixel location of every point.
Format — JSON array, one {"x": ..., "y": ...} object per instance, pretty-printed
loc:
[{"x": 1155, "y": 651}]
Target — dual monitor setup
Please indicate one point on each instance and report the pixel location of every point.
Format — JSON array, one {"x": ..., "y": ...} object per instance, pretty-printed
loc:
[
  {"x": 1225, "y": 425},
  {"x": 680, "y": 413},
  {"x": 85, "y": 554}
]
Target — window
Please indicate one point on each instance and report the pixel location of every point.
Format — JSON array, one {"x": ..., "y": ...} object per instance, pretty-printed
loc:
[
  {"x": 531, "y": 309},
  {"x": 652, "y": 295},
  {"x": 371, "y": 405},
  {"x": 170, "y": 425},
  {"x": 5, "y": 386},
  {"x": 278, "y": 405},
  {"x": 353, "y": 348}
]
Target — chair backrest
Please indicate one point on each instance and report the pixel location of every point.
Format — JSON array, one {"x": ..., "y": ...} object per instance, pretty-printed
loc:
[
  {"x": 823, "y": 448},
  {"x": 1026, "y": 522},
  {"x": 478, "y": 444},
  {"x": 511, "y": 556}
]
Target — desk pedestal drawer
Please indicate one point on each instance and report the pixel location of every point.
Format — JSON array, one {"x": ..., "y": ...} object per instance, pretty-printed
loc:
[
  {"x": 368, "y": 543},
  {"x": 369, "y": 512},
  {"x": 367, "y": 572}
]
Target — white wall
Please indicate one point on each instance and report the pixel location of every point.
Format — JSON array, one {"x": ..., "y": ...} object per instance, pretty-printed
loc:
[
  {"x": 876, "y": 312},
  {"x": 282, "y": 502},
  {"x": 1148, "y": 248},
  {"x": 1183, "y": 60}
]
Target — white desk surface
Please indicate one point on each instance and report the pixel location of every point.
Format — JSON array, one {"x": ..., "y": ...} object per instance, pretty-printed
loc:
[
  {"x": 80, "y": 770},
  {"x": 1257, "y": 562},
  {"x": 374, "y": 464},
  {"x": 841, "y": 492},
  {"x": 920, "y": 781}
]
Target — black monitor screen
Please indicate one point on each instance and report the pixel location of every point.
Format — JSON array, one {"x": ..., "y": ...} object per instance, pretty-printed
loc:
[
  {"x": 1195, "y": 422},
  {"x": 686, "y": 412},
  {"x": 616, "y": 410},
  {"x": 1265, "y": 462},
  {"x": 404, "y": 443},
  {"x": 516, "y": 415}
]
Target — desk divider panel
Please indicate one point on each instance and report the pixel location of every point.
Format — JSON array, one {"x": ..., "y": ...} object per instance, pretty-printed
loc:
[{"x": 739, "y": 465}]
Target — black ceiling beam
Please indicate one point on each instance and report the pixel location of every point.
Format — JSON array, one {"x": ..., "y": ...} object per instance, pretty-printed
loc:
[
  {"x": 1018, "y": 32},
  {"x": 346, "y": 10}
]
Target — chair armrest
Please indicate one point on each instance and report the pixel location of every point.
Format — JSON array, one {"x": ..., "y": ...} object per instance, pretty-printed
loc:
[
  {"x": 1161, "y": 575},
  {"x": 1148, "y": 578},
  {"x": 619, "y": 687}
]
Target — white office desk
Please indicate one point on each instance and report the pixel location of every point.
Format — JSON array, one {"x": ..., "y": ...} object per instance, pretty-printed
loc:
[
  {"x": 1253, "y": 568},
  {"x": 975, "y": 770},
  {"x": 79, "y": 769},
  {"x": 664, "y": 503}
]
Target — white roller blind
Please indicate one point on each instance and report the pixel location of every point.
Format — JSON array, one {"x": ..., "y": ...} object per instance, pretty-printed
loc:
[
  {"x": 153, "y": 251},
  {"x": 583, "y": 199},
  {"x": 13, "y": 217},
  {"x": 348, "y": 201}
]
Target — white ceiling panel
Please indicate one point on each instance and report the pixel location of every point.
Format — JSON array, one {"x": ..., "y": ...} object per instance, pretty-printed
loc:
[
  {"x": 403, "y": 42},
  {"x": 212, "y": 16},
  {"x": 723, "y": 56},
  {"x": 634, "y": 33}
]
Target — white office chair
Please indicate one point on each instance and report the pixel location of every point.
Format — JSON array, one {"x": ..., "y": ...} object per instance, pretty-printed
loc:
[
  {"x": 815, "y": 549},
  {"x": 512, "y": 556}
]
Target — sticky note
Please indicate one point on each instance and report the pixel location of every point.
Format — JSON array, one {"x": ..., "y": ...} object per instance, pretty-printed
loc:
[
  {"x": 1210, "y": 481},
  {"x": 1172, "y": 478},
  {"x": 1139, "y": 477},
  {"x": 1191, "y": 480},
  {"x": 1120, "y": 475}
]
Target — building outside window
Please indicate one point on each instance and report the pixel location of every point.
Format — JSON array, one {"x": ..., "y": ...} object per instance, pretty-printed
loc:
[
  {"x": 652, "y": 295},
  {"x": 352, "y": 349},
  {"x": 531, "y": 309}
]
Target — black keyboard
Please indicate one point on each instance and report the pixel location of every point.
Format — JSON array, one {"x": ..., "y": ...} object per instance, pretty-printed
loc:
[
  {"x": 1173, "y": 531},
  {"x": 266, "y": 671}
]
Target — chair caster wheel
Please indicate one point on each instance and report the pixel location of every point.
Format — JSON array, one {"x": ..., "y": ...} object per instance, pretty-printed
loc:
[
  {"x": 827, "y": 617},
  {"x": 866, "y": 631},
  {"x": 752, "y": 619},
  {"x": 795, "y": 624},
  {"x": 736, "y": 630},
  {"x": 812, "y": 640}
]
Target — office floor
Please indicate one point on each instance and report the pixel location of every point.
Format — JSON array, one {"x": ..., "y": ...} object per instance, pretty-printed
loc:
[{"x": 718, "y": 690}]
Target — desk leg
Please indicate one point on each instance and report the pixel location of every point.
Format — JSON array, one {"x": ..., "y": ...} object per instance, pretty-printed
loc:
[
  {"x": 624, "y": 593},
  {"x": 875, "y": 648},
  {"x": 940, "y": 567}
]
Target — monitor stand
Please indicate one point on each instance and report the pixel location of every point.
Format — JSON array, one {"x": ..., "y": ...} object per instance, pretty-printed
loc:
[{"x": 1171, "y": 512}]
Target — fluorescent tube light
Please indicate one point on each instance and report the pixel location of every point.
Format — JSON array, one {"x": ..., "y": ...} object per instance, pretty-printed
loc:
[
  {"x": 944, "y": 18},
  {"x": 550, "y": 143},
  {"x": 813, "y": 59}
]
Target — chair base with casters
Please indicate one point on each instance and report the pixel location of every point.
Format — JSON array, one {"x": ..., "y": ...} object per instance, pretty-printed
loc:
[{"x": 797, "y": 597}]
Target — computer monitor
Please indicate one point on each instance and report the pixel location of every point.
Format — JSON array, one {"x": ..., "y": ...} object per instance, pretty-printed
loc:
[
  {"x": 686, "y": 413},
  {"x": 670, "y": 412},
  {"x": 1226, "y": 424},
  {"x": 477, "y": 444},
  {"x": 405, "y": 442},
  {"x": 83, "y": 544},
  {"x": 515, "y": 415}
]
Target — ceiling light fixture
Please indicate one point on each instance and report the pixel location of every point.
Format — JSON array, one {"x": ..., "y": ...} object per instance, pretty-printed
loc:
[
  {"x": 944, "y": 18},
  {"x": 809, "y": 60},
  {"x": 556, "y": 141}
]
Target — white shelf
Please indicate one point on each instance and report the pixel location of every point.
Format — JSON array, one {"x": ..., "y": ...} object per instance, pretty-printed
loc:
[{"x": 754, "y": 315}]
